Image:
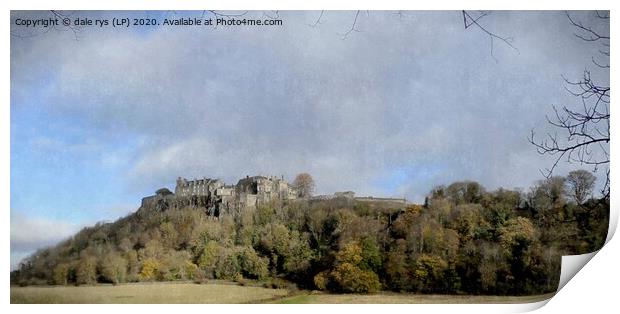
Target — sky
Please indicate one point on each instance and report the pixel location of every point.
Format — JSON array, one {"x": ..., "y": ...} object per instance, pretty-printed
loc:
[{"x": 101, "y": 117}]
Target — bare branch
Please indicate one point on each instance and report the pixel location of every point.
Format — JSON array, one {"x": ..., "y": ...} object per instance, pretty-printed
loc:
[
  {"x": 468, "y": 21},
  {"x": 352, "y": 29},
  {"x": 589, "y": 33},
  {"x": 600, "y": 65},
  {"x": 318, "y": 20},
  {"x": 227, "y": 15},
  {"x": 586, "y": 132},
  {"x": 604, "y": 16}
]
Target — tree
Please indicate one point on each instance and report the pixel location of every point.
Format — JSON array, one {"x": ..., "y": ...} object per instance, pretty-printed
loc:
[
  {"x": 150, "y": 269},
  {"x": 581, "y": 184},
  {"x": 552, "y": 192},
  {"x": 586, "y": 130},
  {"x": 348, "y": 274},
  {"x": 518, "y": 239},
  {"x": 252, "y": 265},
  {"x": 86, "y": 271},
  {"x": 207, "y": 259},
  {"x": 113, "y": 267},
  {"x": 304, "y": 184},
  {"x": 61, "y": 271},
  {"x": 428, "y": 272},
  {"x": 396, "y": 268},
  {"x": 464, "y": 192},
  {"x": 227, "y": 265}
]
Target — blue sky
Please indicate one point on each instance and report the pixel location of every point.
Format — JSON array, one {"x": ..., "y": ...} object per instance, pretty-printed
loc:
[{"x": 405, "y": 103}]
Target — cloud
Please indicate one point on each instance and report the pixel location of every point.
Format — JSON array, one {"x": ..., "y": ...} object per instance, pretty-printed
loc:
[
  {"x": 416, "y": 92},
  {"x": 53, "y": 145},
  {"x": 31, "y": 233}
]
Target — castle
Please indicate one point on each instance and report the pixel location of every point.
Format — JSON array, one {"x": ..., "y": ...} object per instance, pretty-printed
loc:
[{"x": 219, "y": 198}]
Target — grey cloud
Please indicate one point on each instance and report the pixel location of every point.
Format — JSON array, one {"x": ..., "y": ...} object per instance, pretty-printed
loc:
[
  {"x": 28, "y": 233},
  {"x": 413, "y": 90}
]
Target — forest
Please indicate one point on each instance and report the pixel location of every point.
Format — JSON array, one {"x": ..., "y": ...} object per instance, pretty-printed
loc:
[{"x": 462, "y": 240}]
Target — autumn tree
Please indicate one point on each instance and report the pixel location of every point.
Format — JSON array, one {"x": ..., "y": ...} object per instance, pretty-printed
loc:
[
  {"x": 304, "y": 184},
  {"x": 428, "y": 271},
  {"x": 113, "y": 268},
  {"x": 61, "y": 272},
  {"x": 86, "y": 270},
  {"x": 252, "y": 265},
  {"x": 348, "y": 273},
  {"x": 150, "y": 269}
]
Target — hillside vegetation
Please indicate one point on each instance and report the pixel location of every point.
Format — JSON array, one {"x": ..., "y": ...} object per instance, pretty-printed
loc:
[{"x": 463, "y": 240}]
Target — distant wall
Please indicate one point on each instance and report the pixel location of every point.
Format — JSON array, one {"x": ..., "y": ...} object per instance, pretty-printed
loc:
[{"x": 381, "y": 199}]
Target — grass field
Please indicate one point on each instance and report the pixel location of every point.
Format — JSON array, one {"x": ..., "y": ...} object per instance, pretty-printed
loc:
[
  {"x": 146, "y": 293},
  {"x": 402, "y": 298},
  {"x": 229, "y": 293}
]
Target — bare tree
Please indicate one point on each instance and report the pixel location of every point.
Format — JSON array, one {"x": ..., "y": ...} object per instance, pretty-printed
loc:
[
  {"x": 304, "y": 184},
  {"x": 585, "y": 132},
  {"x": 581, "y": 183}
]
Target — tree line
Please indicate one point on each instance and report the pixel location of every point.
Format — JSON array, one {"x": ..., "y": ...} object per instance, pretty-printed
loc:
[{"x": 462, "y": 240}]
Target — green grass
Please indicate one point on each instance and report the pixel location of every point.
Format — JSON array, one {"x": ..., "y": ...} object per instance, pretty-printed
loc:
[
  {"x": 222, "y": 292},
  {"x": 403, "y": 298},
  {"x": 146, "y": 293}
]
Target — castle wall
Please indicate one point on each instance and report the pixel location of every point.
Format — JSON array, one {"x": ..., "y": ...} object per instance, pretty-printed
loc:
[
  {"x": 248, "y": 192},
  {"x": 381, "y": 199}
]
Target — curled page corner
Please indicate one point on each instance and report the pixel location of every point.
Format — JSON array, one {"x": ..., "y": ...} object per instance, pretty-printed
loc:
[
  {"x": 529, "y": 307},
  {"x": 571, "y": 265}
]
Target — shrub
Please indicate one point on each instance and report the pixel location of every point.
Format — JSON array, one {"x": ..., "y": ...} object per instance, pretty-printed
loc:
[
  {"x": 227, "y": 266},
  {"x": 320, "y": 280},
  {"x": 253, "y": 265},
  {"x": 351, "y": 278},
  {"x": 150, "y": 269}
]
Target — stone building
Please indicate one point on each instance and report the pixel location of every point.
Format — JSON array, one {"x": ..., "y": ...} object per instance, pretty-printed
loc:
[
  {"x": 199, "y": 187},
  {"x": 253, "y": 191},
  {"x": 217, "y": 197}
]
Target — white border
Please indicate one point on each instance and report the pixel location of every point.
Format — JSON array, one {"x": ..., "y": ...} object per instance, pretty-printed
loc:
[{"x": 593, "y": 288}]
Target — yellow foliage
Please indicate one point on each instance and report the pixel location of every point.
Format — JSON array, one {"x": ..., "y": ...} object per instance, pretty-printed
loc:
[
  {"x": 320, "y": 280},
  {"x": 350, "y": 253},
  {"x": 349, "y": 276},
  {"x": 191, "y": 269},
  {"x": 516, "y": 230},
  {"x": 150, "y": 268},
  {"x": 414, "y": 209},
  {"x": 353, "y": 279}
]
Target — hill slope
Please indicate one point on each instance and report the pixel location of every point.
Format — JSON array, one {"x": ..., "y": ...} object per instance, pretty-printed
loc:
[{"x": 463, "y": 240}]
